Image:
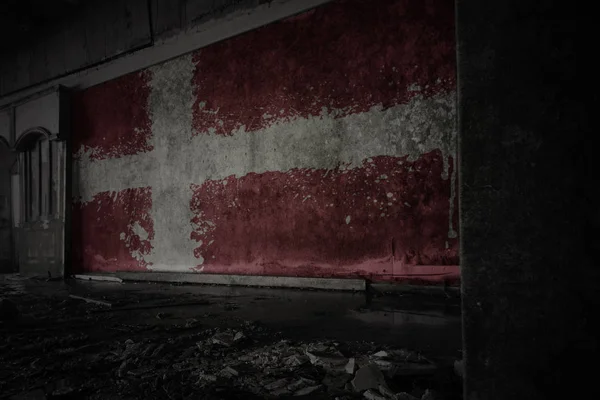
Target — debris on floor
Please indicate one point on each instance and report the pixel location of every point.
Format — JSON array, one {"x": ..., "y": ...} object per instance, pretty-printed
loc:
[
  {"x": 89, "y": 300},
  {"x": 227, "y": 338},
  {"x": 407, "y": 396},
  {"x": 374, "y": 395},
  {"x": 82, "y": 349}
]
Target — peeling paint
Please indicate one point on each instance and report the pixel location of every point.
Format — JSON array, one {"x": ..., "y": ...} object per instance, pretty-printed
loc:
[
  {"x": 356, "y": 144},
  {"x": 111, "y": 119},
  {"x": 323, "y": 142},
  {"x": 113, "y": 231},
  {"x": 275, "y": 227},
  {"x": 139, "y": 231},
  {"x": 347, "y": 56}
]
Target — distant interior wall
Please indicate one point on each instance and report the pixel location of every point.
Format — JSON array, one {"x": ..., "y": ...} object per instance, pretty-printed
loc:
[
  {"x": 82, "y": 35},
  {"x": 78, "y": 44},
  {"x": 6, "y": 160},
  {"x": 319, "y": 145}
]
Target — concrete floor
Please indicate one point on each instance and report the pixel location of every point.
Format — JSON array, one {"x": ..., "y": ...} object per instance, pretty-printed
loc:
[{"x": 429, "y": 324}]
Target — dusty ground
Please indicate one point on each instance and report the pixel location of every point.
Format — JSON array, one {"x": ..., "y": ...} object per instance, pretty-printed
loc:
[{"x": 173, "y": 342}]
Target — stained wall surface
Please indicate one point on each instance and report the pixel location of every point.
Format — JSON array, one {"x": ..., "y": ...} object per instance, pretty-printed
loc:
[{"x": 319, "y": 145}]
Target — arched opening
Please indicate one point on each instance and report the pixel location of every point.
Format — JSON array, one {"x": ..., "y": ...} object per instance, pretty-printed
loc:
[
  {"x": 35, "y": 159},
  {"x": 40, "y": 228}
]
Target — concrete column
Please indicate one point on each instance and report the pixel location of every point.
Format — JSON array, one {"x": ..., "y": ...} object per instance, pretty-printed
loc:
[{"x": 529, "y": 226}]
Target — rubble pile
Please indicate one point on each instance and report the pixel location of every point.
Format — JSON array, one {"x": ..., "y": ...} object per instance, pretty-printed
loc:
[
  {"x": 236, "y": 359},
  {"x": 66, "y": 348},
  {"x": 246, "y": 360}
]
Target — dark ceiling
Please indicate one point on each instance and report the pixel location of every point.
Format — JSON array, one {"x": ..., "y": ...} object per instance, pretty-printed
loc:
[{"x": 21, "y": 20}]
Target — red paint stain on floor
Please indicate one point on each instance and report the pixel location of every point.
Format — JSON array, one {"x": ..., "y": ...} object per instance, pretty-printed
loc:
[
  {"x": 347, "y": 55},
  {"x": 374, "y": 220},
  {"x": 111, "y": 120},
  {"x": 103, "y": 231}
]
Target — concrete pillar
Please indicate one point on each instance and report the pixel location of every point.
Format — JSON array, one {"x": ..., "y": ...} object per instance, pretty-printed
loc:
[{"x": 528, "y": 222}]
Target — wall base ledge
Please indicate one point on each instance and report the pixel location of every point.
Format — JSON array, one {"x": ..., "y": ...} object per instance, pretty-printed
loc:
[{"x": 247, "y": 280}]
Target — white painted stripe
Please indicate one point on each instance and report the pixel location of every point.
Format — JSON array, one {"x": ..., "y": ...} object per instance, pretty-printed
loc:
[{"x": 320, "y": 142}]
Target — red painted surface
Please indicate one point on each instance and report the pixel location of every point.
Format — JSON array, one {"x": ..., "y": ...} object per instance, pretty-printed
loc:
[
  {"x": 295, "y": 223},
  {"x": 111, "y": 120},
  {"x": 98, "y": 227},
  {"x": 347, "y": 55}
]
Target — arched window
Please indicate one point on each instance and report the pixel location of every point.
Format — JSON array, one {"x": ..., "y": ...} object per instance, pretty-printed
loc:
[{"x": 36, "y": 161}]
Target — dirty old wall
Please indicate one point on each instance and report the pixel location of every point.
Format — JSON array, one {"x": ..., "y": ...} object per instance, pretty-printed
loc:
[{"x": 320, "y": 145}]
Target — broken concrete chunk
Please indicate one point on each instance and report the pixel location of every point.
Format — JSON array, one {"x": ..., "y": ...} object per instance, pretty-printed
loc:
[
  {"x": 318, "y": 347},
  {"x": 368, "y": 377},
  {"x": 312, "y": 357},
  {"x": 130, "y": 349},
  {"x": 181, "y": 366},
  {"x": 330, "y": 360},
  {"x": 158, "y": 350},
  {"x": 191, "y": 323},
  {"x": 307, "y": 390},
  {"x": 123, "y": 369},
  {"x": 229, "y": 372},
  {"x": 402, "y": 362},
  {"x": 227, "y": 339},
  {"x": 337, "y": 381},
  {"x": 350, "y": 366},
  {"x": 148, "y": 350},
  {"x": 386, "y": 391},
  {"x": 428, "y": 395},
  {"x": 202, "y": 376},
  {"x": 223, "y": 339},
  {"x": 300, "y": 383},
  {"x": 373, "y": 395},
  {"x": 277, "y": 384},
  {"x": 384, "y": 365},
  {"x": 405, "y": 396},
  {"x": 92, "y": 301},
  {"x": 295, "y": 360},
  {"x": 381, "y": 354}
]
